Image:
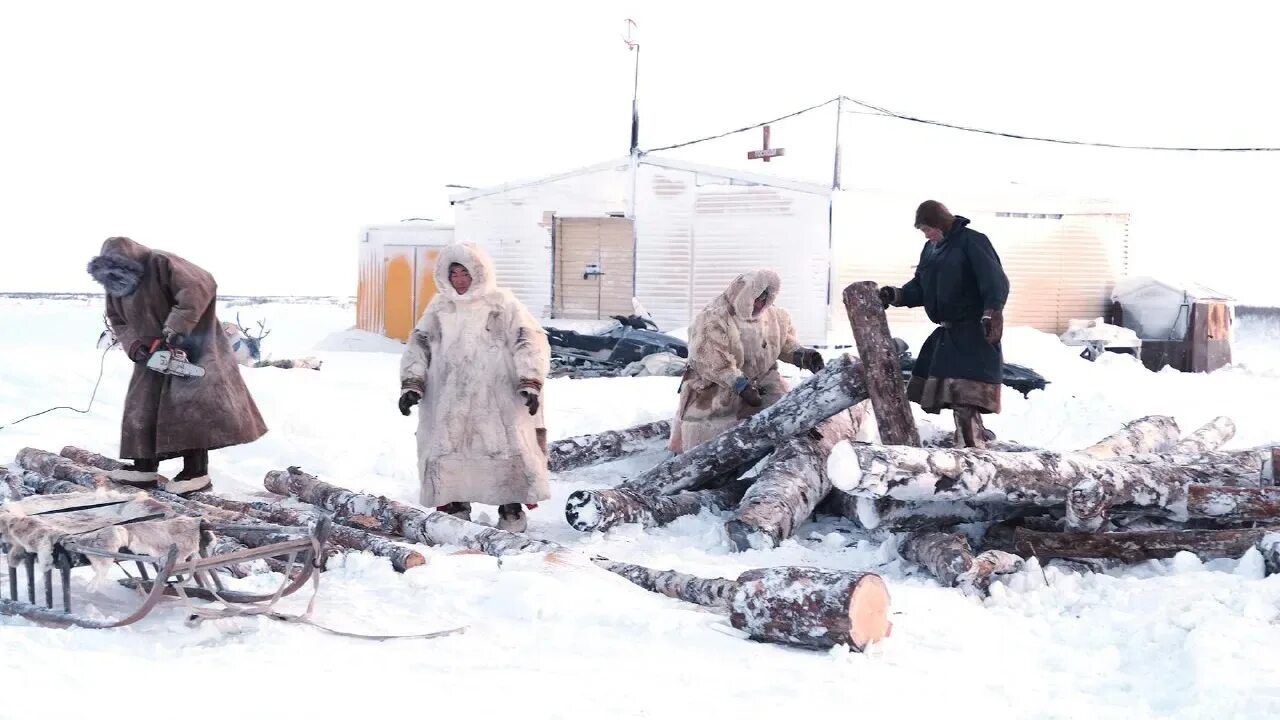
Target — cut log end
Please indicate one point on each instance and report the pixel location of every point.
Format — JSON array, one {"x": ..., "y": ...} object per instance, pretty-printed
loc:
[{"x": 869, "y": 613}]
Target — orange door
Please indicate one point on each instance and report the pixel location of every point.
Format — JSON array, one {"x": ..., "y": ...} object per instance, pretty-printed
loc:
[
  {"x": 398, "y": 308},
  {"x": 426, "y": 287}
]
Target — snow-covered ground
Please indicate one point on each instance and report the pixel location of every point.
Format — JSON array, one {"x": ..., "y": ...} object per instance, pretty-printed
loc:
[{"x": 1165, "y": 639}]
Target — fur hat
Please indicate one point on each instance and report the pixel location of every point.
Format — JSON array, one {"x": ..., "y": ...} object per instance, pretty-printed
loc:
[
  {"x": 934, "y": 214},
  {"x": 119, "y": 275}
]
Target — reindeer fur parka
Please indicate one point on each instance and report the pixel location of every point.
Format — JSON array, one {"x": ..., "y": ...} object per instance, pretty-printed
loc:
[
  {"x": 165, "y": 416},
  {"x": 727, "y": 342},
  {"x": 468, "y": 357}
]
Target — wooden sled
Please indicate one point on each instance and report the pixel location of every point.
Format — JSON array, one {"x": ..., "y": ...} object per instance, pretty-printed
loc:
[{"x": 61, "y": 532}]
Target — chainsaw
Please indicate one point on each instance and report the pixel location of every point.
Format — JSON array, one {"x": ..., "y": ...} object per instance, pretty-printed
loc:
[{"x": 173, "y": 361}]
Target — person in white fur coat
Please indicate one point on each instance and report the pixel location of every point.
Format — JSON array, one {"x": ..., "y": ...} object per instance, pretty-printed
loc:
[{"x": 475, "y": 366}]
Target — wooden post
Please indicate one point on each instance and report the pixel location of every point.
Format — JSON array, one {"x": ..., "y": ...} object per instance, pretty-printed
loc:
[{"x": 880, "y": 365}]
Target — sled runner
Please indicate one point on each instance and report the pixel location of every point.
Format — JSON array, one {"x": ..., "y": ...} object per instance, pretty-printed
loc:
[{"x": 102, "y": 529}]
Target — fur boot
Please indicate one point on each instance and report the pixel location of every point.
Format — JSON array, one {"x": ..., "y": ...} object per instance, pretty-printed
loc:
[
  {"x": 194, "y": 476},
  {"x": 512, "y": 518}
]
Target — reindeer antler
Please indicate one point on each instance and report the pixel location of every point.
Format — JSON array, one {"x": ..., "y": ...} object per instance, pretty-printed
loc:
[
  {"x": 262, "y": 330},
  {"x": 243, "y": 329}
]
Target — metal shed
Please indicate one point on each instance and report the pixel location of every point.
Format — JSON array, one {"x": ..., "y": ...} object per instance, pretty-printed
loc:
[{"x": 396, "y": 279}]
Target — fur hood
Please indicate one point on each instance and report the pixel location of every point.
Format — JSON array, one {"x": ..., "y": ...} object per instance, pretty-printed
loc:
[
  {"x": 741, "y": 294},
  {"x": 476, "y": 261},
  {"x": 120, "y": 267}
]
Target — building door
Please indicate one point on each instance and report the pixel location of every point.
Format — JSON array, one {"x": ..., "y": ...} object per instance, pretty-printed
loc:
[
  {"x": 410, "y": 284},
  {"x": 594, "y": 270}
]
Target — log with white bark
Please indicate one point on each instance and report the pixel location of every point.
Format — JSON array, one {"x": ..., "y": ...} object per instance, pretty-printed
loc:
[
  {"x": 402, "y": 558},
  {"x": 1211, "y": 436},
  {"x": 1035, "y": 478},
  {"x": 837, "y": 387},
  {"x": 948, "y": 557},
  {"x": 796, "y": 606},
  {"x": 880, "y": 365},
  {"x": 601, "y": 510},
  {"x": 1139, "y": 545},
  {"x": 889, "y": 515},
  {"x": 811, "y": 608},
  {"x": 789, "y": 486},
  {"x": 1259, "y": 504},
  {"x": 1150, "y": 434},
  {"x": 374, "y": 512},
  {"x": 584, "y": 450}
]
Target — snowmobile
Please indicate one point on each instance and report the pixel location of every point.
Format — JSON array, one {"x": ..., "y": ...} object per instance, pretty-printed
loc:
[
  {"x": 633, "y": 338},
  {"x": 1019, "y": 377}
]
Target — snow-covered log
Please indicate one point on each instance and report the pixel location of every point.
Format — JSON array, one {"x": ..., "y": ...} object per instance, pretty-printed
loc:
[
  {"x": 402, "y": 558},
  {"x": 789, "y": 486},
  {"x": 1136, "y": 546},
  {"x": 1032, "y": 478},
  {"x": 811, "y": 607},
  {"x": 92, "y": 459},
  {"x": 948, "y": 441},
  {"x": 589, "y": 510},
  {"x": 707, "y": 592},
  {"x": 374, "y": 512},
  {"x": 61, "y": 468},
  {"x": 889, "y": 515},
  {"x": 948, "y": 557},
  {"x": 837, "y": 387},
  {"x": 1150, "y": 434},
  {"x": 880, "y": 366},
  {"x": 1211, "y": 436},
  {"x": 584, "y": 450},
  {"x": 1234, "y": 503}
]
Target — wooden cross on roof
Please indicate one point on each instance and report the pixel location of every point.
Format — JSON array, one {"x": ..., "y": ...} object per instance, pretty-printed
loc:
[{"x": 766, "y": 152}]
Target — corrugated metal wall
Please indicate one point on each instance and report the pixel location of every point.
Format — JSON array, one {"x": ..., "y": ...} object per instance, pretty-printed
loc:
[
  {"x": 696, "y": 233},
  {"x": 1061, "y": 266},
  {"x": 515, "y": 226}
]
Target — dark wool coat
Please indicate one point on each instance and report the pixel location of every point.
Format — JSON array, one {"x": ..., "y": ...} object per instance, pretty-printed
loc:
[
  {"x": 166, "y": 415},
  {"x": 956, "y": 280}
]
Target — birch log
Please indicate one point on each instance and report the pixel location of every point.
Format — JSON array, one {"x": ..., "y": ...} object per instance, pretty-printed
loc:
[
  {"x": 1139, "y": 545},
  {"x": 1150, "y": 434},
  {"x": 584, "y": 450},
  {"x": 880, "y": 365},
  {"x": 837, "y": 387},
  {"x": 589, "y": 510},
  {"x": 948, "y": 557},
  {"x": 1035, "y": 478},
  {"x": 374, "y": 512},
  {"x": 789, "y": 486},
  {"x": 889, "y": 515},
  {"x": 811, "y": 607},
  {"x": 1211, "y": 436}
]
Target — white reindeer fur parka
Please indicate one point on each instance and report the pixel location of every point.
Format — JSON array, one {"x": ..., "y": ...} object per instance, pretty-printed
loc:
[
  {"x": 468, "y": 358},
  {"x": 727, "y": 342}
]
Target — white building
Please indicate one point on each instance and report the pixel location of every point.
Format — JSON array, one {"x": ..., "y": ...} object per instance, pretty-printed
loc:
[{"x": 674, "y": 234}]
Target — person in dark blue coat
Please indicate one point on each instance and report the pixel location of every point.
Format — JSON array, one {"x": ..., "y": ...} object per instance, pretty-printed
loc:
[{"x": 963, "y": 288}]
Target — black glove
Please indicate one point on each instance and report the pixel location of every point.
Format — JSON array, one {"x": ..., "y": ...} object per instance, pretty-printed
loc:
[
  {"x": 888, "y": 296},
  {"x": 408, "y": 399},
  {"x": 748, "y": 392},
  {"x": 142, "y": 349},
  {"x": 530, "y": 399},
  {"x": 808, "y": 359}
]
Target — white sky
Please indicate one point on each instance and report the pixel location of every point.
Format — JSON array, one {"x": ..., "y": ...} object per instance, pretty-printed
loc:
[{"x": 255, "y": 138}]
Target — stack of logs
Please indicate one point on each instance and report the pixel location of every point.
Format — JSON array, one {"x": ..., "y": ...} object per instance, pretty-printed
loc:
[
  {"x": 799, "y": 606},
  {"x": 1143, "y": 493}
]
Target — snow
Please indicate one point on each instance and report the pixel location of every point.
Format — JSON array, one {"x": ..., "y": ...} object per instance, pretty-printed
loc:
[{"x": 550, "y": 637}]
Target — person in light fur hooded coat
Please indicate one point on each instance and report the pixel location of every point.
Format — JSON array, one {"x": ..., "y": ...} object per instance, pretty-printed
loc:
[
  {"x": 735, "y": 344},
  {"x": 476, "y": 363}
]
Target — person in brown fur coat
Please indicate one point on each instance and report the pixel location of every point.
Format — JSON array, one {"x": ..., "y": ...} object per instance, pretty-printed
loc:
[
  {"x": 735, "y": 344},
  {"x": 157, "y": 300},
  {"x": 963, "y": 288}
]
